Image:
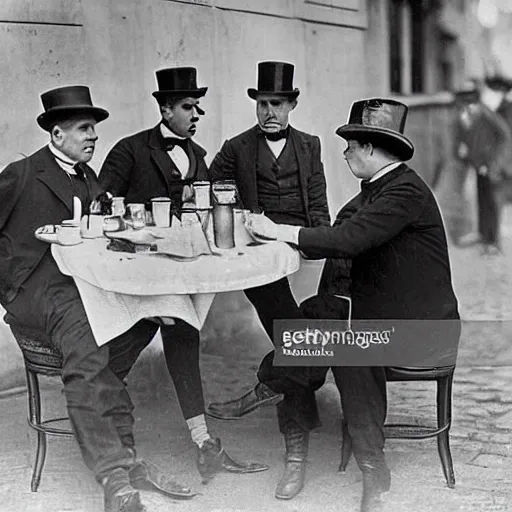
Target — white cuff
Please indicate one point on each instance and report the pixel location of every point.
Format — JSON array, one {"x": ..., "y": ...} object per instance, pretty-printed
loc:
[{"x": 286, "y": 233}]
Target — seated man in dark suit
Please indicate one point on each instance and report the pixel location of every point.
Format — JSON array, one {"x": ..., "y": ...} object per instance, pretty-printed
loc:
[
  {"x": 394, "y": 235},
  {"x": 166, "y": 161},
  {"x": 36, "y": 191}
]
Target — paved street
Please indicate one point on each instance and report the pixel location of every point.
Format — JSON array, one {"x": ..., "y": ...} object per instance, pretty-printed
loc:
[{"x": 481, "y": 436}]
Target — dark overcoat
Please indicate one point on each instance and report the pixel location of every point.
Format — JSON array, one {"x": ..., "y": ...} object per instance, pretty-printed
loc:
[
  {"x": 34, "y": 191},
  {"x": 237, "y": 160},
  {"x": 139, "y": 168},
  {"x": 394, "y": 234}
]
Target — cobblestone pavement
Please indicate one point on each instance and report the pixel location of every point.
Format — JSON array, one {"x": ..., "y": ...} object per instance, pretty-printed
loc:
[{"x": 481, "y": 436}]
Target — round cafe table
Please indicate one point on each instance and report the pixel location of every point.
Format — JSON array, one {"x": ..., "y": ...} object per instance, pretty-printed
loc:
[{"x": 118, "y": 289}]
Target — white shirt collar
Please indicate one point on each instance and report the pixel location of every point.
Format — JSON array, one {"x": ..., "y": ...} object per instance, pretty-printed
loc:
[
  {"x": 64, "y": 162},
  {"x": 167, "y": 132},
  {"x": 384, "y": 171}
]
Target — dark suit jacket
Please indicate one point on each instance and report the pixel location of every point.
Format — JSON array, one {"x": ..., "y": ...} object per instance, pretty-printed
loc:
[
  {"x": 33, "y": 192},
  {"x": 136, "y": 166},
  {"x": 394, "y": 234},
  {"x": 237, "y": 160},
  {"x": 487, "y": 138}
]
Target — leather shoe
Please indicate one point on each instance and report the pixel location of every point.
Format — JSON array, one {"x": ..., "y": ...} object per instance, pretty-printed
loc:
[
  {"x": 211, "y": 459},
  {"x": 119, "y": 495},
  {"x": 297, "y": 443},
  {"x": 376, "y": 482},
  {"x": 147, "y": 477},
  {"x": 235, "y": 409}
]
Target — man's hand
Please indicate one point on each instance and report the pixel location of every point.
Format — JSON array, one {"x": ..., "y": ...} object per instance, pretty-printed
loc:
[{"x": 261, "y": 226}]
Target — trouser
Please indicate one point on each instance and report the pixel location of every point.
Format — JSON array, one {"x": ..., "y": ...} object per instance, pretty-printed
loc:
[
  {"x": 181, "y": 349},
  {"x": 362, "y": 390},
  {"x": 99, "y": 407},
  {"x": 488, "y": 210},
  {"x": 275, "y": 301}
]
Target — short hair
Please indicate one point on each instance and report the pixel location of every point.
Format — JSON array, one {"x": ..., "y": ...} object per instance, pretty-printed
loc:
[
  {"x": 377, "y": 145},
  {"x": 64, "y": 119}
]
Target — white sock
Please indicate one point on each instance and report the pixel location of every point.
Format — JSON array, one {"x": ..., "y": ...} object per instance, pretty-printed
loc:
[{"x": 198, "y": 429}]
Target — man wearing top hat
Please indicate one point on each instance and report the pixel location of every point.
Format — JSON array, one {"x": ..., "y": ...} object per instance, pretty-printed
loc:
[
  {"x": 41, "y": 301},
  {"x": 393, "y": 233},
  {"x": 278, "y": 170},
  {"x": 165, "y": 161}
]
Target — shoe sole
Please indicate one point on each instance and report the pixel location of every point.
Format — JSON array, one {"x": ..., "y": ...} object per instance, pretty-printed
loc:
[{"x": 274, "y": 400}]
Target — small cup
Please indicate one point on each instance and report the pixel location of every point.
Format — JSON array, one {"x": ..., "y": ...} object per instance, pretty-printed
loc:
[
  {"x": 68, "y": 233},
  {"x": 202, "y": 194},
  {"x": 91, "y": 226},
  {"x": 161, "y": 210},
  {"x": 138, "y": 215}
]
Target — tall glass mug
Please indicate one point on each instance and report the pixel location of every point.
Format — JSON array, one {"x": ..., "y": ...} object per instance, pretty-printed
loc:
[
  {"x": 224, "y": 199},
  {"x": 137, "y": 213},
  {"x": 161, "y": 210}
]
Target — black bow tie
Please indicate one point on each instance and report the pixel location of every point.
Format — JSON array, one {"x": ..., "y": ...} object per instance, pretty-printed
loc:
[
  {"x": 274, "y": 136},
  {"x": 171, "y": 142},
  {"x": 79, "y": 168}
]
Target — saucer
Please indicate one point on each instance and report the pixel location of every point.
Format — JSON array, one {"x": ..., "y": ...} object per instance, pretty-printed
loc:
[{"x": 47, "y": 234}]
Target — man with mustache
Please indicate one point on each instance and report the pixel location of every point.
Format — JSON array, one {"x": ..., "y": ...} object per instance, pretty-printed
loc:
[
  {"x": 165, "y": 161},
  {"x": 42, "y": 302},
  {"x": 278, "y": 170}
]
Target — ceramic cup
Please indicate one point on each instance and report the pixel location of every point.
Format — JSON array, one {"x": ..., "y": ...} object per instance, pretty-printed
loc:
[
  {"x": 68, "y": 233},
  {"x": 91, "y": 226},
  {"x": 161, "y": 210}
]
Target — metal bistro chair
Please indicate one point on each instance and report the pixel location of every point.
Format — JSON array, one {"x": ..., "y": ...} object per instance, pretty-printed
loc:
[
  {"x": 40, "y": 359},
  {"x": 443, "y": 376}
]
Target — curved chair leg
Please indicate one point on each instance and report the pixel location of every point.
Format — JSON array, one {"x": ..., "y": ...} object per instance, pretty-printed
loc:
[
  {"x": 444, "y": 408},
  {"x": 34, "y": 406},
  {"x": 346, "y": 447}
]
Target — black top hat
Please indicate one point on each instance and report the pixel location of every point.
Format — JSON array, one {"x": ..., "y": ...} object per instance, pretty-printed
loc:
[
  {"x": 178, "y": 81},
  {"x": 498, "y": 82},
  {"x": 381, "y": 121},
  {"x": 66, "y": 102},
  {"x": 274, "y": 78}
]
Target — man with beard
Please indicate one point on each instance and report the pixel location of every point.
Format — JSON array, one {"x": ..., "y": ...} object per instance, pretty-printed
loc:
[
  {"x": 278, "y": 170},
  {"x": 42, "y": 302},
  {"x": 164, "y": 161},
  {"x": 394, "y": 234}
]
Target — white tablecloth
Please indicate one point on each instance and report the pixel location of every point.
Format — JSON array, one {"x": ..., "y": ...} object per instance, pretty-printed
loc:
[{"x": 118, "y": 289}]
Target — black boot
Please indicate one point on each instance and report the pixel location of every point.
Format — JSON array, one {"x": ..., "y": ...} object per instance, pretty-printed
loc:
[
  {"x": 376, "y": 482},
  {"x": 120, "y": 496},
  {"x": 296, "y": 442},
  {"x": 235, "y": 409},
  {"x": 211, "y": 459}
]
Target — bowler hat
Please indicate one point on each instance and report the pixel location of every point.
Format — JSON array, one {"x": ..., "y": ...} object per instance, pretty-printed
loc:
[
  {"x": 498, "y": 82},
  {"x": 68, "y": 101},
  {"x": 380, "y": 121},
  {"x": 275, "y": 78},
  {"x": 178, "y": 81}
]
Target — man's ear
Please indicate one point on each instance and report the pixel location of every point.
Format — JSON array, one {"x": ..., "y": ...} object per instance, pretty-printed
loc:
[
  {"x": 368, "y": 148},
  {"x": 57, "y": 135},
  {"x": 293, "y": 104}
]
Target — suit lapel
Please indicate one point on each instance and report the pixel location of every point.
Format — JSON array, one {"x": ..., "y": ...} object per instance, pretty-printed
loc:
[
  {"x": 303, "y": 155},
  {"x": 49, "y": 173},
  {"x": 248, "y": 172}
]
